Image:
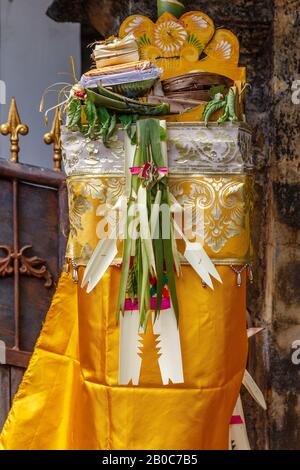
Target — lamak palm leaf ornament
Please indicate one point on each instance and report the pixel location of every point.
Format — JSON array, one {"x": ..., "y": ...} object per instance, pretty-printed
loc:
[{"x": 178, "y": 43}]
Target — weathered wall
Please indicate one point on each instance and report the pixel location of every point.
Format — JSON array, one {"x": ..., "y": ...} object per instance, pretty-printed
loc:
[
  {"x": 269, "y": 33},
  {"x": 284, "y": 250}
]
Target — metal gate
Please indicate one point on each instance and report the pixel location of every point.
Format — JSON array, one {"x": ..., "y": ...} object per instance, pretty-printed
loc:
[{"x": 33, "y": 232}]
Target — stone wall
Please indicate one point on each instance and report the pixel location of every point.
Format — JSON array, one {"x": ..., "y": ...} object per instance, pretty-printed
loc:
[{"x": 283, "y": 294}]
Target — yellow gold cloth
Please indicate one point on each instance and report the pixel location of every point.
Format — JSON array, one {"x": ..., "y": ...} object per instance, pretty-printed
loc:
[{"x": 70, "y": 397}]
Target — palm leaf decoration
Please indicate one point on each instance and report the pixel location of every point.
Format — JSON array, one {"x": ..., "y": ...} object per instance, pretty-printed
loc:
[
  {"x": 194, "y": 41},
  {"x": 228, "y": 103},
  {"x": 211, "y": 107},
  {"x": 144, "y": 40}
]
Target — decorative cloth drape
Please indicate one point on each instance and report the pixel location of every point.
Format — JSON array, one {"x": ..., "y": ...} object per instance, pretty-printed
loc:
[{"x": 70, "y": 397}]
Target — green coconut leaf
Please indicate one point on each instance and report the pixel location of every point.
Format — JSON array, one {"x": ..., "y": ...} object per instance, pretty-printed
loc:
[
  {"x": 111, "y": 127},
  {"x": 103, "y": 115},
  {"x": 74, "y": 113},
  {"x": 169, "y": 262},
  {"x": 162, "y": 133},
  {"x": 128, "y": 122},
  {"x": 159, "y": 259},
  {"x": 231, "y": 104},
  {"x": 124, "y": 275}
]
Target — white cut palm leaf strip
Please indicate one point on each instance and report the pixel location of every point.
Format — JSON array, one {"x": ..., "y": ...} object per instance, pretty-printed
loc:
[
  {"x": 103, "y": 255},
  {"x": 130, "y": 360},
  {"x": 195, "y": 253},
  {"x": 253, "y": 331},
  {"x": 238, "y": 432},
  {"x": 254, "y": 390},
  {"x": 175, "y": 208},
  {"x": 169, "y": 349},
  {"x": 175, "y": 251},
  {"x": 96, "y": 266}
]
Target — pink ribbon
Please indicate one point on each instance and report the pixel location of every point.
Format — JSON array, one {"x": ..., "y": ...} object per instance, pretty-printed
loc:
[
  {"x": 236, "y": 419},
  {"x": 145, "y": 169},
  {"x": 135, "y": 170},
  {"x": 163, "y": 169},
  {"x": 129, "y": 305}
]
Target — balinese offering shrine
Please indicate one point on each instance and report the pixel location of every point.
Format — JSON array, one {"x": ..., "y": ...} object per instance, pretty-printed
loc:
[{"x": 145, "y": 343}]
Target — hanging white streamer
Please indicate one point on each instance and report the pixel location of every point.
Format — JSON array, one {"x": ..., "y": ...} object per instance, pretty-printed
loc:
[
  {"x": 238, "y": 437},
  {"x": 103, "y": 255},
  {"x": 130, "y": 360},
  {"x": 169, "y": 348},
  {"x": 254, "y": 390}
]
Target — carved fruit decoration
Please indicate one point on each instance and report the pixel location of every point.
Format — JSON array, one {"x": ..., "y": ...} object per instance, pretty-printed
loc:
[
  {"x": 174, "y": 44},
  {"x": 169, "y": 37}
]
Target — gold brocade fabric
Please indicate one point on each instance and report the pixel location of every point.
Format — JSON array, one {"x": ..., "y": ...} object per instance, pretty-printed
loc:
[
  {"x": 69, "y": 398},
  {"x": 224, "y": 199}
]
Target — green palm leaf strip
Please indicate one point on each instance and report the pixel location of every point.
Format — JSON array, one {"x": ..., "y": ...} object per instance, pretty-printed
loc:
[
  {"x": 144, "y": 40},
  {"x": 194, "y": 41},
  {"x": 228, "y": 103},
  {"x": 175, "y": 7},
  {"x": 152, "y": 256}
]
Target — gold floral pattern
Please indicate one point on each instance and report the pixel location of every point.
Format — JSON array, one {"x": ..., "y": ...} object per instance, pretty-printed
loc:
[
  {"x": 87, "y": 198},
  {"x": 224, "y": 203},
  {"x": 78, "y": 205}
]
